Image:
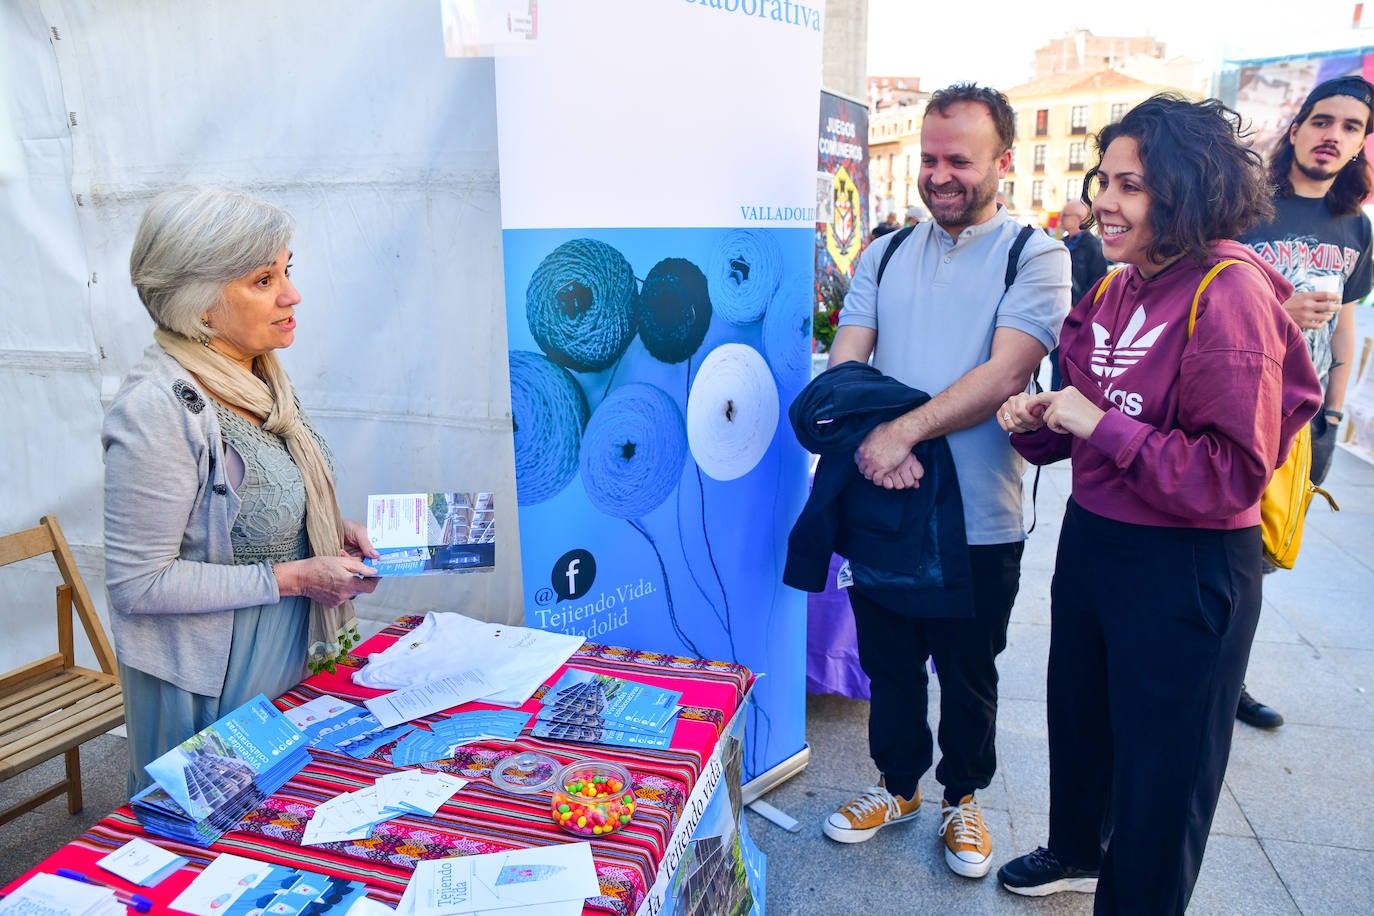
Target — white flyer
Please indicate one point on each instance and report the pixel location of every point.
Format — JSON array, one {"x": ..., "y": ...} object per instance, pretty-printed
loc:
[{"x": 413, "y": 702}]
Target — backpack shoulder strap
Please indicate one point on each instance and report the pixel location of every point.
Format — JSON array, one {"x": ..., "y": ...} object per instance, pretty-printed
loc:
[
  {"x": 1014, "y": 256},
  {"x": 898, "y": 238},
  {"x": 1102, "y": 284},
  {"x": 1218, "y": 268}
]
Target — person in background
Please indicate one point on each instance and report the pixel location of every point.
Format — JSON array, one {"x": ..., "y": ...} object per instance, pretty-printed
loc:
[
  {"x": 1319, "y": 239},
  {"x": 1089, "y": 266},
  {"x": 1174, "y": 428},
  {"x": 946, "y": 324},
  {"x": 889, "y": 224},
  {"x": 227, "y": 562},
  {"x": 915, "y": 213}
]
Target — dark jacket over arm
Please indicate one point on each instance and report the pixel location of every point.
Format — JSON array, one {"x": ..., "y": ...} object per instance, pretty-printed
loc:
[{"x": 912, "y": 540}]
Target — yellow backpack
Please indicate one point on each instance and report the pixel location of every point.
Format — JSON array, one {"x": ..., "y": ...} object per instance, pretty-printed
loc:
[{"x": 1283, "y": 505}]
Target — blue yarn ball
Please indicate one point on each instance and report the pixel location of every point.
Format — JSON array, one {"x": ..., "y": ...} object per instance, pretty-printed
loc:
[
  {"x": 633, "y": 452},
  {"x": 548, "y": 411},
  {"x": 580, "y": 305}
]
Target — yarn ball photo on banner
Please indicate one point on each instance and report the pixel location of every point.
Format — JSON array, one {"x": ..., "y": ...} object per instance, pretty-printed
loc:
[
  {"x": 743, "y": 274},
  {"x": 548, "y": 412},
  {"x": 787, "y": 333},
  {"x": 633, "y": 451},
  {"x": 732, "y": 411},
  {"x": 674, "y": 310},
  {"x": 580, "y": 305}
]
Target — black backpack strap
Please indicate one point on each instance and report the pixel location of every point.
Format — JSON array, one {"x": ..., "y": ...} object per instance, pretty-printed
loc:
[
  {"x": 898, "y": 238},
  {"x": 1014, "y": 256},
  {"x": 1013, "y": 264}
]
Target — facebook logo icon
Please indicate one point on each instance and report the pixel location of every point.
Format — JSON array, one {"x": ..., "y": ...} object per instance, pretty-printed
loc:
[{"x": 573, "y": 574}]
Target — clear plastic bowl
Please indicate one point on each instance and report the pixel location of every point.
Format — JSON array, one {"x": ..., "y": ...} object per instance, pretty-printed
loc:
[{"x": 592, "y": 798}]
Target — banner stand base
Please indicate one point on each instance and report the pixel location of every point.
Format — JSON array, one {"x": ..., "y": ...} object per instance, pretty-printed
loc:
[{"x": 769, "y": 780}]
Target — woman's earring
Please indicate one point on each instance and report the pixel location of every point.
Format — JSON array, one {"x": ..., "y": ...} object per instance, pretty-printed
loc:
[{"x": 205, "y": 323}]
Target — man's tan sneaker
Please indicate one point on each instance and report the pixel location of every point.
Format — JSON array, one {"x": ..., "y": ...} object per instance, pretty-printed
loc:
[
  {"x": 968, "y": 845},
  {"x": 859, "y": 818}
]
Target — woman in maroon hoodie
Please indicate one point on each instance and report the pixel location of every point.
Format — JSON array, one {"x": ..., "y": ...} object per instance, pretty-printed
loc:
[{"x": 1172, "y": 436}]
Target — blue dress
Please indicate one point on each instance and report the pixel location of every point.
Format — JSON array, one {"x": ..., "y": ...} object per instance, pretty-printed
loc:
[{"x": 267, "y": 651}]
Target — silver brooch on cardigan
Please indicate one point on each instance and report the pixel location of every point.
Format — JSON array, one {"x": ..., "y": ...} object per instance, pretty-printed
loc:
[{"x": 188, "y": 396}]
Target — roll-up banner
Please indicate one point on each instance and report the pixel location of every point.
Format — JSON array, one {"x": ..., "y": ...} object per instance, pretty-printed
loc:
[{"x": 658, "y": 213}]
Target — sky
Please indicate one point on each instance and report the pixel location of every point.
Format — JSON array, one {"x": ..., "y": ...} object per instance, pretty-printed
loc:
[{"x": 993, "y": 41}]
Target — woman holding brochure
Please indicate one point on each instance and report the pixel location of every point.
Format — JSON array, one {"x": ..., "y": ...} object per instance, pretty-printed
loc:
[{"x": 227, "y": 561}]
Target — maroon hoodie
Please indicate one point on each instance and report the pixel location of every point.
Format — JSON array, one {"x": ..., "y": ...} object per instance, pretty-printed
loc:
[{"x": 1194, "y": 427}]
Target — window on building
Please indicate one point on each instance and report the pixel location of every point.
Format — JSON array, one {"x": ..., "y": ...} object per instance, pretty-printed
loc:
[
  {"x": 1038, "y": 194},
  {"x": 1012, "y": 167},
  {"x": 908, "y": 168},
  {"x": 1042, "y": 122},
  {"x": 1078, "y": 119},
  {"x": 1038, "y": 157},
  {"x": 1073, "y": 189},
  {"x": 1118, "y": 111},
  {"x": 1009, "y": 189},
  {"x": 1077, "y": 153}
]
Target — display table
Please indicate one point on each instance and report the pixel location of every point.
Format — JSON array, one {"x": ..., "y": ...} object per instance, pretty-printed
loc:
[{"x": 633, "y": 865}]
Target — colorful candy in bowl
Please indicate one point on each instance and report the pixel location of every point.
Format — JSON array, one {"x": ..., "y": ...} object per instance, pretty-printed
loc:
[{"x": 592, "y": 798}]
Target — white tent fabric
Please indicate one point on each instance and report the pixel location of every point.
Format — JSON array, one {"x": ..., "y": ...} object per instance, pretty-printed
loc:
[{"x": 350, "y": 117}]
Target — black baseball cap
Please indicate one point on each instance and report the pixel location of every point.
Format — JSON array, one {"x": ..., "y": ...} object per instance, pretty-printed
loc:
[{"x": 1356, "y": 87}]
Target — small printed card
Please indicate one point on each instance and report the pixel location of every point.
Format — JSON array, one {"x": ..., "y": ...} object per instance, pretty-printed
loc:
[
  {"x": 143, "y": 863},
  {"x": 421, "y": 533}
]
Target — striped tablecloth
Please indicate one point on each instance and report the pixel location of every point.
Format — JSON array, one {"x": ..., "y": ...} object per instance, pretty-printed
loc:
[{"x": 480, "y": 818}]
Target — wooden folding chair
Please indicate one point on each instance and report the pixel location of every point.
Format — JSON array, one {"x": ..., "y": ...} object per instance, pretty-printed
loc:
[{"x": 52, "y": 706}]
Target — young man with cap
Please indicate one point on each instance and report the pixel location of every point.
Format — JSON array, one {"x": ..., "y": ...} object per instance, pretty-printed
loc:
[{"x": 1319, "y": 240}]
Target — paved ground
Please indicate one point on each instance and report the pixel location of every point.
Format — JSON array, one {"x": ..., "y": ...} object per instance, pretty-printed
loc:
[{"x": 1294, "y": 832}]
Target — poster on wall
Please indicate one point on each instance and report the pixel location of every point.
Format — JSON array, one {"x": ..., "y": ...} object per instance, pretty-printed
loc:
[
  {"x": 1268, "y": 93},
  {"x": 842, "y": 209},
  {"x": 658, "y": 237}
]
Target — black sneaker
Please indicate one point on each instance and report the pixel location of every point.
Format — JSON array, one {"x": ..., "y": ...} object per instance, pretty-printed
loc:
[
  {"x": 1252, "y": 712},
  {"x": 1041, "y": 873}
]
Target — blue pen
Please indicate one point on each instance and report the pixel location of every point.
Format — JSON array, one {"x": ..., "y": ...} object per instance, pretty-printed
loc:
[{"x": 134, "y": 901}]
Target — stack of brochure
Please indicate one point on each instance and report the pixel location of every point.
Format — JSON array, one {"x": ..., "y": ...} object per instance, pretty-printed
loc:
[
  {"x": 602, "y": 709},
  {"x": 205, "y": 785}
]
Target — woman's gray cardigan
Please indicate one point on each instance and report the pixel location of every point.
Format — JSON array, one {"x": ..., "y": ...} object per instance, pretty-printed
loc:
[{"x": 168, "y": 510}]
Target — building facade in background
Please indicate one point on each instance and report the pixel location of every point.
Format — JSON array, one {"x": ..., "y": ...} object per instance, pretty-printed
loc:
[
  {"x": 1056, "y": 118},
  {"x": 895, "y": 107},
  {"x": 844, "y": 48}
]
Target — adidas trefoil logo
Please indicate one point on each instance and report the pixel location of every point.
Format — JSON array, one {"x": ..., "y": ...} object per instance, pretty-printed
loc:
[{"x": 1110, "y": 361}]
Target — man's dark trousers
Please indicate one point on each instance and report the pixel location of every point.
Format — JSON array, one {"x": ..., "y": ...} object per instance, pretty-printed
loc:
[{"x": 893, "y": 649}]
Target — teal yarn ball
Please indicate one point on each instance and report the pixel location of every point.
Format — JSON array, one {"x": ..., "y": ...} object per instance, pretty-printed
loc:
[
  {"x": 548, "y": 412},
  {"x": 580, "y": 305}
]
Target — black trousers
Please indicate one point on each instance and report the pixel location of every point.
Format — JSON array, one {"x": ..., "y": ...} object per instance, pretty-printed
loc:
[
  {"x": 893, "y": 650},
  {"x": 1150, "y": 634}
]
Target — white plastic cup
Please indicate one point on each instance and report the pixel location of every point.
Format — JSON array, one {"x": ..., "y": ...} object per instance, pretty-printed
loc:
[{"x": 1329, "y": 283}]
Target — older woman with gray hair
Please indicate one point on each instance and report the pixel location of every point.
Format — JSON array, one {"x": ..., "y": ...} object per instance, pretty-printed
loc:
[{"x": 229, "y": 567}]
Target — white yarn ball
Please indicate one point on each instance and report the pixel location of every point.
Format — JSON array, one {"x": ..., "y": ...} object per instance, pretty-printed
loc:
[{"x": 732, "y": 411}]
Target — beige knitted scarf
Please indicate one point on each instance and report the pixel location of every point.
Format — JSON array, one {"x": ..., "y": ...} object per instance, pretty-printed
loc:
[{"x": 267, "y": 394}]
